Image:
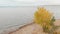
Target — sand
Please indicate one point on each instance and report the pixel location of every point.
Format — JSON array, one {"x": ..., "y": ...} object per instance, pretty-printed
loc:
[{"x": 33, "y": 29}]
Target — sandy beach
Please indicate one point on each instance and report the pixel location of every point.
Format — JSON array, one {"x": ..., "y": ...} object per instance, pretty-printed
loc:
[{"x": 33, "y": 29}]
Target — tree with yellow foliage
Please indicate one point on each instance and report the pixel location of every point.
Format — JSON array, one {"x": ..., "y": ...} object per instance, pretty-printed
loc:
[{"x": 46, "y": 20}]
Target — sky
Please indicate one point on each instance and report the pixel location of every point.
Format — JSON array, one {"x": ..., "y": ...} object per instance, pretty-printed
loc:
[
  {"x": 16, "y": 2},
  {"x": 28, "y": 2}
]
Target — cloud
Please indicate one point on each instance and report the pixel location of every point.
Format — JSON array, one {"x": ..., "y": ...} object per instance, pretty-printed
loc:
[{"x": 28, "y": 2}]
